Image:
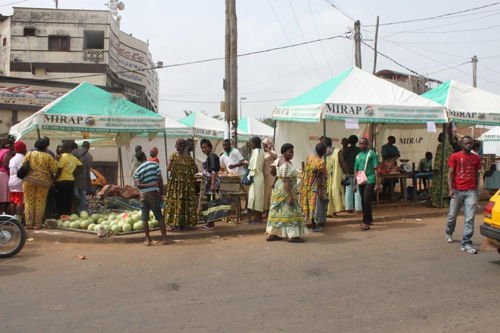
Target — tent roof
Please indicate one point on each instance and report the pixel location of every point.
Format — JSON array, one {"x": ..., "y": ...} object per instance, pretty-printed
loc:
[
  {"x": 358, "y": 94},
  {"x": 207, "y": 127},
  {"x": 467, "y": 104},
  {"x": 90, "y": 110},
  {"x": 254, "y": 127},
  {"x": 492, "y": 135}
]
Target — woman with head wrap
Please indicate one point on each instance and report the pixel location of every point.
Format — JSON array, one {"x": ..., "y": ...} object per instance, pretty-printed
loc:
[
  {"x": 180, "y": 210},
  {"x": 285, "y": 217},
  {"x": 5, "y": 156},
  {"x": 15, "y": 184},
  {"x": 269, "y": 157}
]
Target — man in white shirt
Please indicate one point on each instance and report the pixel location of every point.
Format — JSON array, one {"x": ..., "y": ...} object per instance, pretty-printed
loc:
[{"x": 232, "y": 159}]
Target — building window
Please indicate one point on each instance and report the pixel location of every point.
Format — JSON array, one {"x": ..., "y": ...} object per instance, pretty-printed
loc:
[
  {"x": 93, "y": 40},
  {"x": 58, "y": 43},
  {"x": 4, "y": 41},
  {"x": 29, "y": 31}
]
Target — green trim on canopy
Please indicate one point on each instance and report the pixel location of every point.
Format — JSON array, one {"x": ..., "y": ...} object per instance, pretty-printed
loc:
[
  {"x": 439, "y": 94},
  {"x": 243, "y": 125},
  {"x": 319, "y": 94},
  {"x": 189, "y": 120}
]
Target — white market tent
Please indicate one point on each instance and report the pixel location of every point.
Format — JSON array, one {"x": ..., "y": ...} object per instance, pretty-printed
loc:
[
  {"x": 253, "y": 127},
  {"x": 354, "y": 96},
  {"x": 491, "y": 141},
  {"x": 466, "y": 104},
  {"x": 88, "y": 112}
]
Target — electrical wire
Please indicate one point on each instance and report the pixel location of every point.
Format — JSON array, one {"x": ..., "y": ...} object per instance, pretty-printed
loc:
[
  {"x": 13, "y": 3},
  {"x": 289, "y": 41},
  {"x": 442, "y": 32},
  {"x": 438, "y": 16},
  {"x": 451, "y": 43},
  {"x": 200, "y": 61},
  {"x": 340, "y": 9},
  {"x": 304, "y": 37},
  {"x": 317, "y": 33},
  {"x": 93, "y": 3},
  {"x": 214, "y": 102}
]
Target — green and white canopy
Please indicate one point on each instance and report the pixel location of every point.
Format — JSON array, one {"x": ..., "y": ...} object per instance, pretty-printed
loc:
[
  {"x": 91, "y": 113},
  {"x": 491, "y": 141},
  {"x": 356, "y": 94},
  {"x": 466, "y": 104},
  {"x": 206, "y": 127},
  {"x": 254, "y": 127}
]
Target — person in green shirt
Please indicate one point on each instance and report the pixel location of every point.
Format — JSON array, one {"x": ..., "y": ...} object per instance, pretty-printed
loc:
[
  {"x": 369, "y": 159},
  {"x": 425, "y": 165}
]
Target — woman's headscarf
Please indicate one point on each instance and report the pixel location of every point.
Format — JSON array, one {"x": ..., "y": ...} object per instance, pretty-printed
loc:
[
  {"x": 19, "y": 147},
  {"x": 268, "y": 142}
]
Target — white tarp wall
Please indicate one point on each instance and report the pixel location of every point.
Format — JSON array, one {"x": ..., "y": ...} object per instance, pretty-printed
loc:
[
  {"x": 413, "y": 141},
  {"x": 491, "y": 141},
  {"x": 305, "y": 136}
]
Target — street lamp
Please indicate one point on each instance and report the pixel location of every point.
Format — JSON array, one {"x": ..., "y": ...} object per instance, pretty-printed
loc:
[{"x": 241, "y": 112}]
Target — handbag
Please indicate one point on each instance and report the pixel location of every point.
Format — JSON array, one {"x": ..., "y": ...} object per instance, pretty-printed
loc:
[
  {"x": 24, "y": 169},
  {"x": 361, "y": 175},
  {"x": 217, "y": 209},
  {"x": 247, "y": 180}
]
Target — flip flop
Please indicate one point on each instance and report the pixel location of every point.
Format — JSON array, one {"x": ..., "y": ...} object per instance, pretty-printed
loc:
[
  {"x": 174, "y": 229},
  {"x": 296, "y": 240},
  {"x": 317, "y": 229},
  {"x": 254, "y": 223},
  {"x": 205, "y": 228},
  {"x": 274, "y": 238},
  {"x": 364, "y": 227}
]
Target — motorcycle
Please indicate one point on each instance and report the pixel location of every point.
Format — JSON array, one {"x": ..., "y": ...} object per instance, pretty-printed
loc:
[{"x": 12, "y": 236}]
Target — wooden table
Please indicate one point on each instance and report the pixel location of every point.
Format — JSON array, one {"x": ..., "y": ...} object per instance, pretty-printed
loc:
[{"x": 402, "y": 178}]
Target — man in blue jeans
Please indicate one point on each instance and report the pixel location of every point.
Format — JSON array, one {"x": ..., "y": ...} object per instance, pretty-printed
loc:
[{"x": 463, "y": 168}]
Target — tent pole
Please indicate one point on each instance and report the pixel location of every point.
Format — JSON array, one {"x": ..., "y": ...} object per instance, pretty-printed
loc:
[
  {"x": 274, "y": 132},
  {"x": 166, "y": 151},
  {"x": 324, "y": 131},
  {"x": 120, "y": 165},
  {"x": 38, "y": 132},
  {"x": 443, "y": 162}
]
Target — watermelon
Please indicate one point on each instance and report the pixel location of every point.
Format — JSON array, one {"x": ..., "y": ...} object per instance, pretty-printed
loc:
[
  {"x": 66, "y": 224},
  {"x": 64, "y": 217},
  {"x": 121, "y": 223},
  {"x": 97, "y": 227},
  {"x": 156, "y": 223},
  {"x": 100, "y": 220},
  {"x": 94, "y": 217},
  {"x": 91, "y": 227},
  {"x": 127, "y": 227},
  {"x": 60, "y": 224},
  {"x": 83, "y": 225},
  {"x": 106, "y": 227},
  {"x": 116, "y": 229},
  {"x": 84, "y": 215},
  {"x": 113, "y": 223},
  {"x": 151, "y": 225},
  {"x": 138, "y": 226},
  {"x": 111, "y": 217},
  {"x": 74, "y": 225},
  {"x": 73, "y": 217},
  {"x": 130, "y": 220},
  {"x": 137, "y": 217}
]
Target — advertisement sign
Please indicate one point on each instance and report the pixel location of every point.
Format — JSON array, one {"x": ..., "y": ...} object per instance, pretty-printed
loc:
[
  {"x": 305, "y": 114},
  {"x": 103, "y": 124},
  {"x": 16, "y": 94},
  {"x": 481, "y": 118},
  {"x": 384, "y": 114}
]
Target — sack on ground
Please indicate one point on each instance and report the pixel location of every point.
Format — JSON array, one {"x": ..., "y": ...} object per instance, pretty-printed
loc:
[{"x": 216, "y": 209}]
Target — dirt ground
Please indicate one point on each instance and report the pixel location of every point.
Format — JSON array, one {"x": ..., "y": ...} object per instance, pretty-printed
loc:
[{"x": 398, "y": 277}]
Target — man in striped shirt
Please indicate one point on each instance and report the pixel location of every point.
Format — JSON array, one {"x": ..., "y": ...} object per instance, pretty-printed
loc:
[{"x": 149, "y": 181}]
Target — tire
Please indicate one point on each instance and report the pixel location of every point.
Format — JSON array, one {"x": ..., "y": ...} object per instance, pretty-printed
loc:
[{"x": 12, "y": 224}]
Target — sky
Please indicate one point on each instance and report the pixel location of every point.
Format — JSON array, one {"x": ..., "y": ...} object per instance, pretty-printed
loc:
[{"x": 184, "y": 31}]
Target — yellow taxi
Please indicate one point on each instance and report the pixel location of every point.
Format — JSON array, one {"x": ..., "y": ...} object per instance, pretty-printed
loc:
[
  {"x": 98, "y": 180},
  {"x": 491, "y": 227}
]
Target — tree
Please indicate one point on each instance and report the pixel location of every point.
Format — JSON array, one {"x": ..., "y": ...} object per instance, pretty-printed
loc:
[
  {"x": 217, "y": 116},
  {"x": 267, "y": 121}
]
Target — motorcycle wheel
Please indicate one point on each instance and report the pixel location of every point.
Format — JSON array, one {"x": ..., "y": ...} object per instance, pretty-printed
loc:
[{"x": 12, "y": 236}]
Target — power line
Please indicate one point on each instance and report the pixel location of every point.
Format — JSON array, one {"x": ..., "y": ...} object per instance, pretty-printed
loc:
[
  {"x": 441, "y": 32},
  {"x": 93, "y": 3},
  {"x": 317, "y": 33},
  {"x": 200, "y": 61},
  {"x": 438, "y": 16},
  {"x": 304, "y": 37},
  {"x": 289, "y": 41},
  {"x": 451, "y": 43},
  {"x": 214, "y": 102},
  {"x": 13, "y": 3},
  {"x": 340, "y": 9}
]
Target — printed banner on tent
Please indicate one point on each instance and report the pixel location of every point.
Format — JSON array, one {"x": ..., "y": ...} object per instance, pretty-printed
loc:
[
  {"x": 208, "y": 133},
  {"x": 106, "y": 124},
  {"x": 304, "y": 114},
  {"x": 482, "y": 118},
  {"x": 384, "y": 114}
]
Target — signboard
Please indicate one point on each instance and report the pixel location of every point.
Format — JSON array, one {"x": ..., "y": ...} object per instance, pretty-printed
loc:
[
  {"x": 304, "y": 114},
  {"x": 482, "y": 118},
  {"x": 384, "y": 114},
  {"x": 103, "y": 124},
  {"x": 16, "y": 94},
  {"x": 208, "y": 133}
]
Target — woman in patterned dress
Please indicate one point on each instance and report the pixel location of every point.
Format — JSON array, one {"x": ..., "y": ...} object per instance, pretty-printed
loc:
[
  {"x": 180, "y": 209},
  {"x": 314, "y": 196},
  {"x": 285, "y": 217}
]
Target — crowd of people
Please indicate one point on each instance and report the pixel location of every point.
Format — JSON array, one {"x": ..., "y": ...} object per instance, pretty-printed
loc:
[{"x": 50, "y": 183}]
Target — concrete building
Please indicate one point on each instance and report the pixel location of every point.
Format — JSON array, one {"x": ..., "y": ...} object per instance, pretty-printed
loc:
[{"x": 416, "y": 84}]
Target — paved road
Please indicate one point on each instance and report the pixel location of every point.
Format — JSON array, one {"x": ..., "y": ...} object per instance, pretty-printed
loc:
[{"x": 398, "y": 277}]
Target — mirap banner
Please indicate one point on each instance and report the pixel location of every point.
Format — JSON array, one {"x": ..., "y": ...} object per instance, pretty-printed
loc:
[{"x": 384, "y": 114}]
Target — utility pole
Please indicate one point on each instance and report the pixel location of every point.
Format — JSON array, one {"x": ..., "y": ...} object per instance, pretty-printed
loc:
[
  {"x": 233, "y": 27},
  {"x": 231, "y": 71},
  {"x": 474, "y": 84},
  {"x": 375, "y": 49},
  {"x": 57, "y": 3},
  {"x": 357, "y": 44}
]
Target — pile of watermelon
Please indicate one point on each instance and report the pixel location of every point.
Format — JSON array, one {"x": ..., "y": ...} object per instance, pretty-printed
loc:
[{"x": 116, "y": 223}]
